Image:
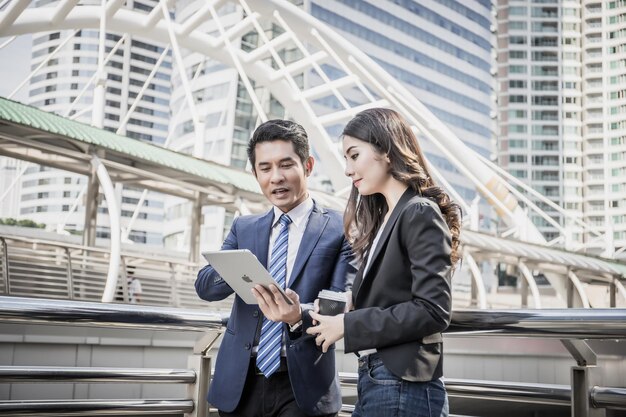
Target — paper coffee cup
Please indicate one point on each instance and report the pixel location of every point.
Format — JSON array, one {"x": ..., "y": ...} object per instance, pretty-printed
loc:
[{"x": 331, "y": 303}]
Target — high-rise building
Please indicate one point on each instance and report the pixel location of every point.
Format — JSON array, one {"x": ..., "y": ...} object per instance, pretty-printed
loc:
[
  {"x": 440, "y": 50},
  {"x": 535, "y": 101},
  {"x": 562, "y": 117},
  {"x": 604, "y": 120},
  {"x": 48, "y": 195}
]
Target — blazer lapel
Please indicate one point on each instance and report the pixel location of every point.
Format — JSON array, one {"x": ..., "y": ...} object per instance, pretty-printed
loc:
[
  {"x": 408, "y": 194},
  {"x": 262, "y": 241},
  {"x": 314, "y": 228},
  {"x": 358, "y": 280}
]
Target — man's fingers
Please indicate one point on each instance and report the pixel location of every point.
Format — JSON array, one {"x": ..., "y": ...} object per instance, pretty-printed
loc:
[
  {"x": 275, "y": 306},
  {"x": 259, "y": 290},
  {"x": 258, "y": 296},
  {"x": 278, "y": 297},
  {"x": 263, "y": 300},
  {"x": 266, "y": 307},
  {"x": 293, "y": 296},
  {"x": 274, "y": 290},
  {"x": 268, "y": 296}
]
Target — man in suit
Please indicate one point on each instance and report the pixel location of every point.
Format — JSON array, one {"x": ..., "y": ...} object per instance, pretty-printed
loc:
[{"x": 267, "y": 364}]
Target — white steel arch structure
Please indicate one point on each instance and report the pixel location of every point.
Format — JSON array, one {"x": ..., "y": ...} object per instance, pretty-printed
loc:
[
  {"x": 362, "y": 83},
  {"x": 319, "y": 45}
]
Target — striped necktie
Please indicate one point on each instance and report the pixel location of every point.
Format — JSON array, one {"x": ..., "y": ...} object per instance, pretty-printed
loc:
[{"x": 270, "y": 343}]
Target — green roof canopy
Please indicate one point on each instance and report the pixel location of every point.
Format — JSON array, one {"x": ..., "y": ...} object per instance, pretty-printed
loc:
[{"x": 23, "y": 128}]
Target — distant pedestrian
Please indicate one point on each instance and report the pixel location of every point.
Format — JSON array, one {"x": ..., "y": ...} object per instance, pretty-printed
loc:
[{"x": 134, "y": 286}]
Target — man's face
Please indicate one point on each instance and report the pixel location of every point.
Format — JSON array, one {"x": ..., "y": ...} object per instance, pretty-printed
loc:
[{"x": 281, "y": 174}]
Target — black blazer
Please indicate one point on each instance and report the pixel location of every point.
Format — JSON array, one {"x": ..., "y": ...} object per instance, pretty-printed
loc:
[{"x": 403, "y": 302}]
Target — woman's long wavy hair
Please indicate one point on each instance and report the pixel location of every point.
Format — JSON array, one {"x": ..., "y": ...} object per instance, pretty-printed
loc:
[{"x": 391, "y": 135}]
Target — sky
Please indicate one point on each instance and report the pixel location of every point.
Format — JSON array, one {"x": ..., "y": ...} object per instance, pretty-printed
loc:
[{"x": 14, "y": 66}]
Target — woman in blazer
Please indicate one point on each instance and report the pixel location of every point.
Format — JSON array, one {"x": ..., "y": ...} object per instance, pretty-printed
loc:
[{"x": 405, "y": 230}]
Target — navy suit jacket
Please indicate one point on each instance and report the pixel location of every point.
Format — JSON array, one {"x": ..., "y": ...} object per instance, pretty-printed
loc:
[{"x": 322, "y": 262}]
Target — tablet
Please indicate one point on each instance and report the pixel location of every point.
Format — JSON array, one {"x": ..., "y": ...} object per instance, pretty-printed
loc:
[{"x": 242, "y": 271}]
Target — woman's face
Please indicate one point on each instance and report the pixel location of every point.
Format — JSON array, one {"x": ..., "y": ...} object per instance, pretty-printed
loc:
[{"x": 367, "y": 168}]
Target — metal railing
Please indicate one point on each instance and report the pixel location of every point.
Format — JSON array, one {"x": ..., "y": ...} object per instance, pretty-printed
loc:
[
  {"x": 94, "y": 407},
  {"x": 35, "y": 267},
  {"x": 208, "y": 325},
  {"x": 45, "y": 265},
  {"x": 569, "y": 325},
  {"x": 92, "y": 374}
]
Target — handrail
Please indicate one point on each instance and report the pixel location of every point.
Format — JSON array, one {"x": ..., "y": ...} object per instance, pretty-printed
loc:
[
  {"x": 609, "y": 397},
  {"x": 99, "y": 249},
  {"x": 535, "y": 393},
  {"x": 557, "y": 323},
  {"x": 72, "y": 272},
  {"x": 546, "y": 323},
  {"x": 549, "y": 394},
  {"x": 570, "y": 323},
  {"x": 99, "y": 375},
  {"x": 34, "y": 310},
  {"x": 93, "y": 407}
]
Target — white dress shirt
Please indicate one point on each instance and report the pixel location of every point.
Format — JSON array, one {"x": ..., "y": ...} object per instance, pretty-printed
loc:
[
  {"x": 370, "y": 253},
  {"x": 299, "y": 219},
  {"x": 373, "y": 247}
]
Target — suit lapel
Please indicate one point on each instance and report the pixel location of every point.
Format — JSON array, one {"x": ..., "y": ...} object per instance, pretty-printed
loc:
[
  {"x": 389, "y": 226},
  {"x": 262, "y": 240},
  {"x": 314, "y": 228}
]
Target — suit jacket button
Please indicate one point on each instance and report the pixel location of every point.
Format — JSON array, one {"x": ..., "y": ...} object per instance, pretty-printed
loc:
[
  {"x": 247, "y": 346},
  {"x": 255, "y": 313}
]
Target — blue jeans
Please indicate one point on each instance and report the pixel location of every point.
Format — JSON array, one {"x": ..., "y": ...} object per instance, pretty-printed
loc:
[{"x": 381, "y": 393}]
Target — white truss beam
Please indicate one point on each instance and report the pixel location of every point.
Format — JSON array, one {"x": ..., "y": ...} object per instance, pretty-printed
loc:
[
  {"x": 113, "y": 6},
  {"x": 8, "y": 41},
  {"x": 61, "y": 11},
  {"x": 530, "y": 280},
  {"x": 266, "y": 49},
  {"x": 198, "y": 18},
  {"x": 580, "y": 290},
  {"x": 12, "y": 12},
  {"x": 150, "y": 21},
  {"x": 477, "y": 280},
  {"x": 343, "y": 116},
  {"x": 324, "y": 89},
  {"x": 314, "y": 64},
  {"x": 237, "y": 62},
  {"x": 240, "y": 28},
  {"x": 299, "y": 66}
]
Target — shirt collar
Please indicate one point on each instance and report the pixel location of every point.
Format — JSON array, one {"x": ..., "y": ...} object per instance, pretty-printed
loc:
[{"x": 298, "y": 214}]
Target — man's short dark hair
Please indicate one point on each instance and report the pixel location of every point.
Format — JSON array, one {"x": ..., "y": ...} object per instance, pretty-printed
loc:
[{"x": 279, "y": 129}]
